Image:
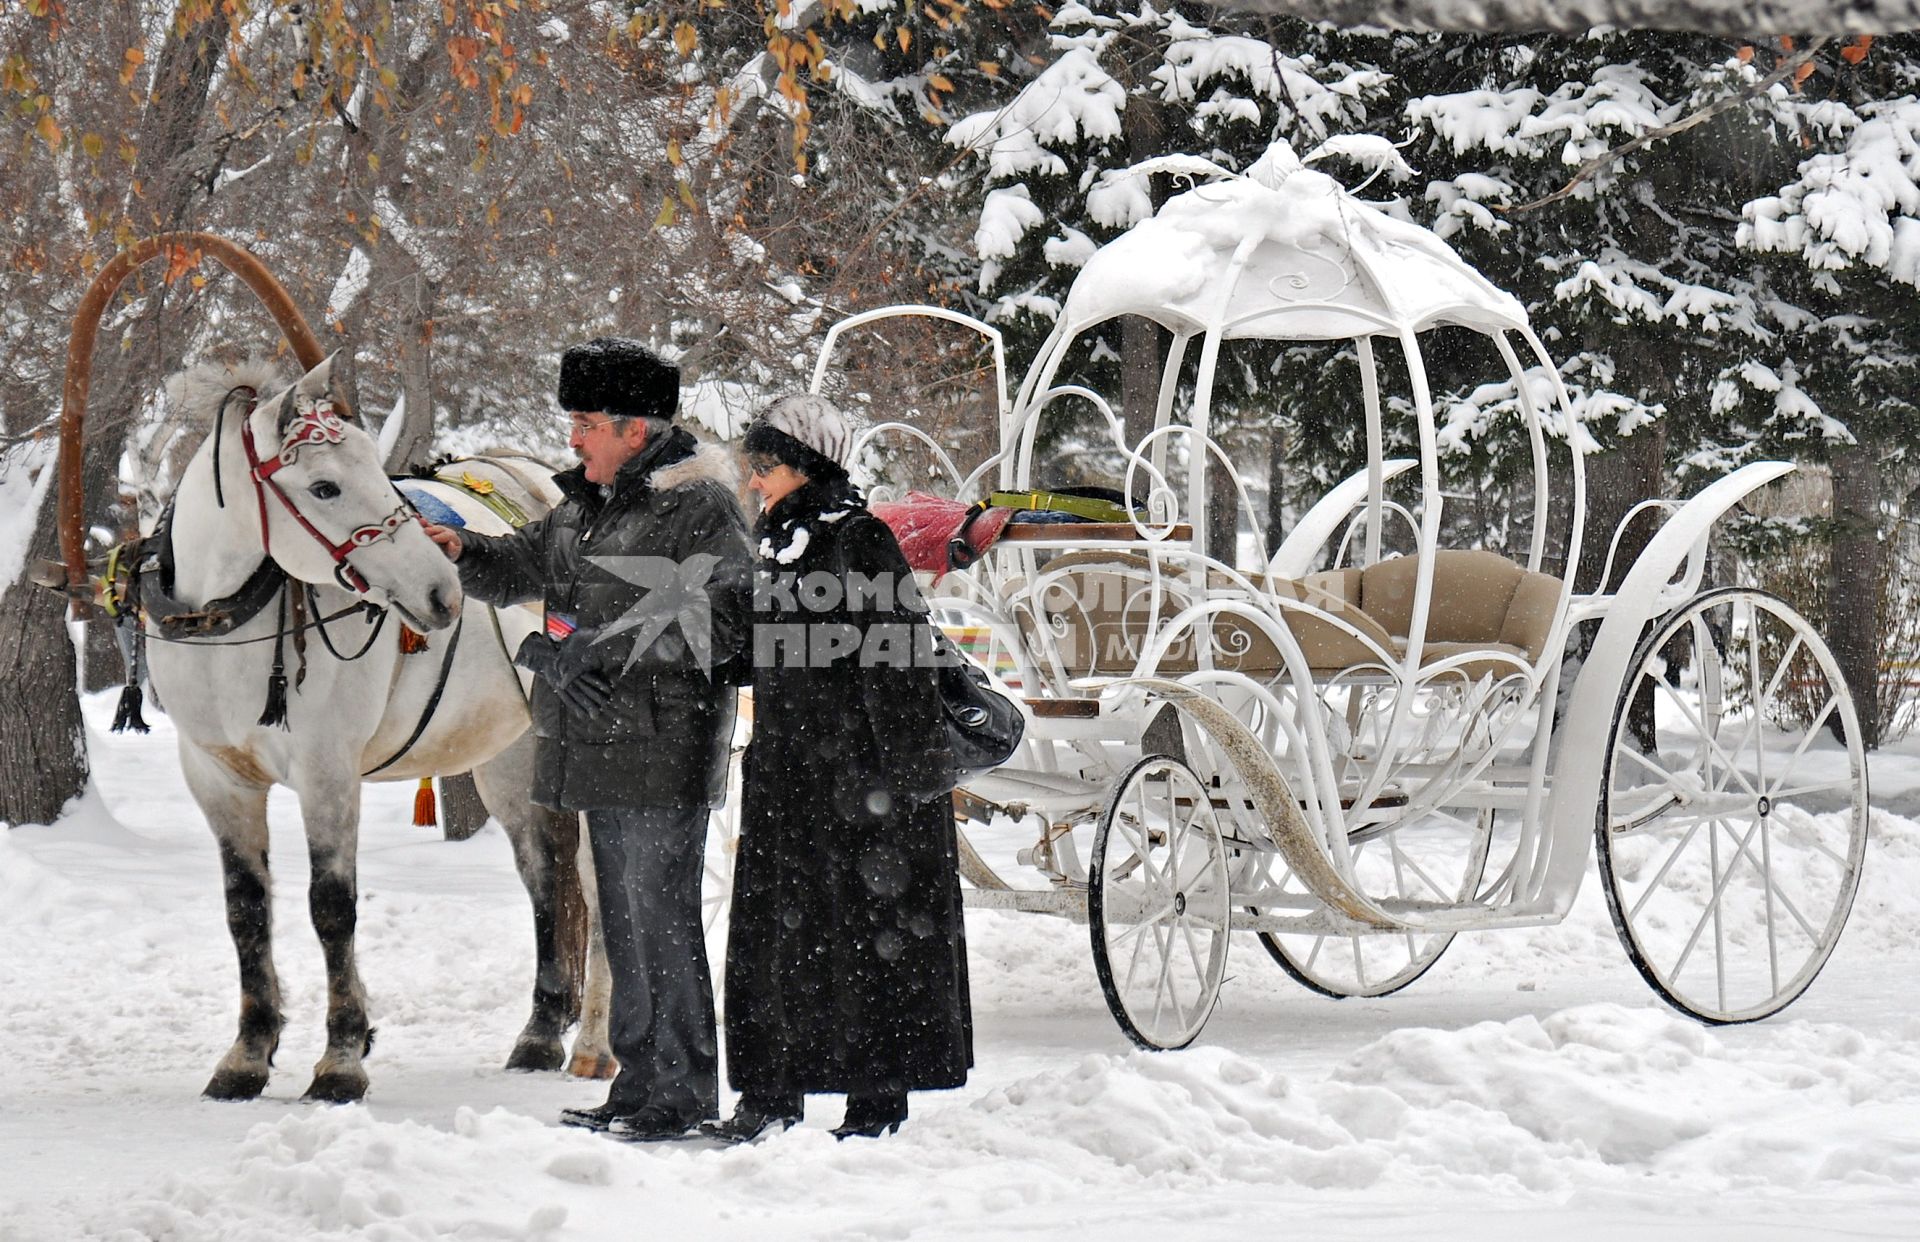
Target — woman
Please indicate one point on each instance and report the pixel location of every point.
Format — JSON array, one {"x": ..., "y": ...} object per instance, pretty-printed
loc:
[{"x": 846, "y": 956}]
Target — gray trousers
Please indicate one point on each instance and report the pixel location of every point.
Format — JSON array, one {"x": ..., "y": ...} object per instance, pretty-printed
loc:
[{"x": 649, "y": 861}]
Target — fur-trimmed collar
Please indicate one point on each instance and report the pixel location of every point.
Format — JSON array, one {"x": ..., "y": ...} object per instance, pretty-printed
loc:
[
  {"x": 709, "y": 463},
  {"x": 686, "y": 462}
]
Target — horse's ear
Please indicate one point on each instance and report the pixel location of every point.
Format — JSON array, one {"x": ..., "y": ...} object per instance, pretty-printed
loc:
[{"x": 311, "y": 389}]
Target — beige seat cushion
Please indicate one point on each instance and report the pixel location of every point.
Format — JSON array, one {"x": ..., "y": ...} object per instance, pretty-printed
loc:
[
  {"x": 1101, "y": 608},
  {"x": 1480, "y": 599}
]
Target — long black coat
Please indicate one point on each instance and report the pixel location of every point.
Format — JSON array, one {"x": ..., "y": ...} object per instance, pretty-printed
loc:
[
  {"x": 846, "y": 952},
  {"x": 665, "y": 737}
]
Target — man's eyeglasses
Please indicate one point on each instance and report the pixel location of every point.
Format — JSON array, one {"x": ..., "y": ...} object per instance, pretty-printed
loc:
[{"x": 582, "y": 426}]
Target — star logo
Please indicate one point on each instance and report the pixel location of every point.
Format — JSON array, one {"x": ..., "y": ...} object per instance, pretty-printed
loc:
[{"x": 675, "y": 592}]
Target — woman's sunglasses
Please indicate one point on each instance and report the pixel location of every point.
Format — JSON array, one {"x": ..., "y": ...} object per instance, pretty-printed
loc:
[{"x": 763, "y": 466}]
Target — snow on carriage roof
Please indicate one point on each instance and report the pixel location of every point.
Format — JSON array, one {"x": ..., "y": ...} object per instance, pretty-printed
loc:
[{"x": 1324, "y": 265}]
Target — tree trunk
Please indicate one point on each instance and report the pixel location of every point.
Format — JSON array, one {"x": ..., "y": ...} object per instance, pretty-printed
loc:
[
  {"x": 415, "y": 339},
  {"x": 1277, "y": 447},
  {"x": 1854, "y": 574},
  {"x": 43, "y": 751},
  {"x": 462, "y": 813},
  {"x": 1617, "y": 480}
]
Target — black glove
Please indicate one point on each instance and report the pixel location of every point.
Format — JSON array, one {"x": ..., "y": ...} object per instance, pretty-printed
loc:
[{"x": 567, "y": 666}]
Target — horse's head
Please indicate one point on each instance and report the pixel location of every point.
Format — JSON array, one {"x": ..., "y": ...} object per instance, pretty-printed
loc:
[{"x": 331, "y": 513}]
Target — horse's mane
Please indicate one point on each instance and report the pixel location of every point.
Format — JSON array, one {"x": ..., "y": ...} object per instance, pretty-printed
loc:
[{"x": 194, "y": 395}]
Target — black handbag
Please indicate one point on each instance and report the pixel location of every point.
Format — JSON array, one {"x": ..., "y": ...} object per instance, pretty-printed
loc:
[{"x": 984, "y": 727}]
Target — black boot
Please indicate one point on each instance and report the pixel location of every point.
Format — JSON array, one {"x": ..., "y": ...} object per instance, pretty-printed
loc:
[
  {"x": 755, "y": 1116},
  {"x": 596, "y": 1118},
  {"x": 871, "y": 1116}
]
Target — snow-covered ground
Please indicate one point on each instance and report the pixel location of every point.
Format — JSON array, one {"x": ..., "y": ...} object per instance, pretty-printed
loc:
[{"x": 1529, "y": 1087}]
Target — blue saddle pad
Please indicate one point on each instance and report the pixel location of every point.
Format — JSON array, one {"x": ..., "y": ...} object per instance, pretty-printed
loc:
[{"x": 431, "y": 507}]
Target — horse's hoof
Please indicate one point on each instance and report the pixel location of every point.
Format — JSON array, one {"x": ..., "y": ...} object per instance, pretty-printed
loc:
[
  {"x": 537, "y": 1055},
  {"x": 593, "y": 1065},
  {"x": 336, "y": 1087},
  {"x": 229, "y": 1084}
]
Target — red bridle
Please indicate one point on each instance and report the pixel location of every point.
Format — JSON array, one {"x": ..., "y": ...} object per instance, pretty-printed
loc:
[{"x": 319, "y": 426}]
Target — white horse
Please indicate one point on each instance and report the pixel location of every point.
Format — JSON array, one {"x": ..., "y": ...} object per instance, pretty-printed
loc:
[{"x": 284, "y": 481}]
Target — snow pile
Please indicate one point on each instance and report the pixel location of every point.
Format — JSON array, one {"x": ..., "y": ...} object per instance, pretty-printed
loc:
[{"x": 340, "y": 1172}]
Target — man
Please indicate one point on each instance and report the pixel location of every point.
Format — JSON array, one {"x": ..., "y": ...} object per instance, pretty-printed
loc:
[{"x": 646, "y": 577}]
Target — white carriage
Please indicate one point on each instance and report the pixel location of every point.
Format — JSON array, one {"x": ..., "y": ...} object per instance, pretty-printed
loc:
[{"x": 1358, "y": 744}]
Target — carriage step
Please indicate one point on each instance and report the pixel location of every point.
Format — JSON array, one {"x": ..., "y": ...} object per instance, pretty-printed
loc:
[{"x": 1064, "y": 709}]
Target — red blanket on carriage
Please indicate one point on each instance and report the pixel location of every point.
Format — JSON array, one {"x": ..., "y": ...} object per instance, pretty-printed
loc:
[{"x": 925, "y": 524}]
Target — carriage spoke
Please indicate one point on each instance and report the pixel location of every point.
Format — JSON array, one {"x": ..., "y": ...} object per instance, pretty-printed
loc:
[
  {"x": 1813, "y": 731},
  {"x": 1712, "y": 912},
  {"x": 1673, "y": 856},
  {"x": 1713, "y": 744},
  {"x": 1193, "y": 950}
]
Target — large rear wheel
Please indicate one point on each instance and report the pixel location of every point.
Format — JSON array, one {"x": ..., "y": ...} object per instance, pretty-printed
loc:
[{"x": 1732, "y": 821}]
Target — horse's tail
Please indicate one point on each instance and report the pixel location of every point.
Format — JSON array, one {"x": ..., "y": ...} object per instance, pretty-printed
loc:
[{"x": 185, "y": 248}]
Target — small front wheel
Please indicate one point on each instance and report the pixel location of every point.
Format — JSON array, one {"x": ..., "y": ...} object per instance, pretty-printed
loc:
[
  {"x": 1157, "y": 904},
  {"x": 1732, "y": 821}
]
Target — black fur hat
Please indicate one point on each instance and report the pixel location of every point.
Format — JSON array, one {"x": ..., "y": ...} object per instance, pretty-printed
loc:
[{"x": 620, "y": 376}]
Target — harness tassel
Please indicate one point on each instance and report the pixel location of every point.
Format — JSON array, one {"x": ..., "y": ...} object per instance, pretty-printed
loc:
[
  {"x": 425, "y": 813},
  {"x": 127, "y": 714},
  {"x": 274, "y": 715}
]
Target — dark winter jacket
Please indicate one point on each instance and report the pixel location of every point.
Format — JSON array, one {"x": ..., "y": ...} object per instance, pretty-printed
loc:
[
  {"x": 846, "y": 954},
  {"x": 673, "y": 518}
]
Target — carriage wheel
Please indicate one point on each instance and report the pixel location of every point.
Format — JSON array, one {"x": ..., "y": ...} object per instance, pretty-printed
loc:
[
  {"x": 1157, "y": 904},
  {"x": 1732, "y": 824},
  {"x": 1440, "y": 857},
  {"x": 716, "y": 881},
  {"x": 723, "y": 839}
]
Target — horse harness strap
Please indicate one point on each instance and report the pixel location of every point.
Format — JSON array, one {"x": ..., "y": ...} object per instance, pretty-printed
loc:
[
  {"x": 319, "y": 426},
  {"x": 433, "y": 701}
]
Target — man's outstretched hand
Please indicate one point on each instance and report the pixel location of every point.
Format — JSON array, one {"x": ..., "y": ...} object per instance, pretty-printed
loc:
[{"x": 448, "y": 539}]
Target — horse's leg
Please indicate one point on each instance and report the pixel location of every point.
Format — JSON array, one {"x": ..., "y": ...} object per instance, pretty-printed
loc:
[
  {"x": 237, "y": 813},
  {"x": 331, "y": 809},
  {"x": 592, "y": 1054},
  {"x": 544, "y": 843}
]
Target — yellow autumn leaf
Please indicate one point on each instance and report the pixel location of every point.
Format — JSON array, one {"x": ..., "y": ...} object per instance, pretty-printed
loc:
[
  {"x": 686, "y": 193},
  {"x": 685, "y": 38},
  {"x": 669, "y": 212},
  {"x": 130, "y": 64},
  {"x": 49, "y": 131},
  {"x": 93, "y": 145},
  {"x": 906, "y": 38},
  {"x": 673, "y": 153},
  {"x": 990, "y": 67},
  {"x": 941, "y": 82}
]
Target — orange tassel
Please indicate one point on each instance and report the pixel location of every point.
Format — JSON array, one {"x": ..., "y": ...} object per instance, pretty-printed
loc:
[
  {"x": 411, "y": 643},
  {"x": 425, "y": 813}
]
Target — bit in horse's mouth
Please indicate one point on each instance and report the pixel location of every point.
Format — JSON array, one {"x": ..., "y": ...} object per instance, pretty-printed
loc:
[{"x": 413, "y": 623}]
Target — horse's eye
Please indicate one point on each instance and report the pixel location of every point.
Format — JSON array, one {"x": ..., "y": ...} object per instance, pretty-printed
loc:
[{"x": 324, "y": 490}]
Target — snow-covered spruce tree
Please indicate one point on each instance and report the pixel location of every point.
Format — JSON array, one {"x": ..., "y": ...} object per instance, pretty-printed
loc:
[
  {"x": 1604, "y": 180},
  {"x": 1122, "y": 88},
  {"x": 1840, "y": 240}
]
